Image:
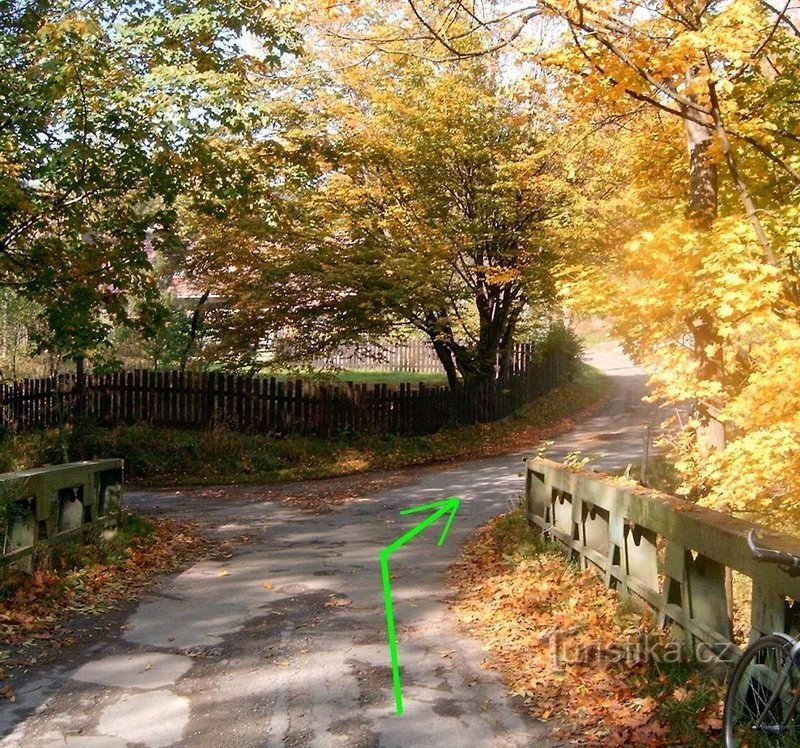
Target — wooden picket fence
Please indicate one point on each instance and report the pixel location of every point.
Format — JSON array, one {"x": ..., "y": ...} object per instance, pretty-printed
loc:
[
  {"x": 412, "y": 356},
  {"x": 269, "y": 405}
]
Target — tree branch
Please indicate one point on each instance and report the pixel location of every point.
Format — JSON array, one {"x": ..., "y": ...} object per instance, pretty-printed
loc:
[
  {"x": 448, "y": 45},
  {"x": 764, "y": 151},
  {"x": 741, "y": 185},
  {"x": 782, "y": 16}
]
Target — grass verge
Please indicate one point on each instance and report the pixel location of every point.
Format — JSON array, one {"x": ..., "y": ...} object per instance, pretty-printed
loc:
[
  {"x": 594, "y": 666},
  {"x": 158, "y": 456},
  {"x": 387, "y": 377}
]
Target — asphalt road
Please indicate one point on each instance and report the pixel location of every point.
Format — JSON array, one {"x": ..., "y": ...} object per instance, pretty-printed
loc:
[{"x": 284, "y": 643}]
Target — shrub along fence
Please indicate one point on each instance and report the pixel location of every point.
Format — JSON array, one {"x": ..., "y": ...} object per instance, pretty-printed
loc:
[
  {"x": 270, "y": 405},
  {"x": 669, "y": 552}
]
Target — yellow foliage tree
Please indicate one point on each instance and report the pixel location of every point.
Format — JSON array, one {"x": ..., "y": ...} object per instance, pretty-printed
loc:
[
  {"x": 439, "y": 209},
  {"x": 700, "y": 280}
]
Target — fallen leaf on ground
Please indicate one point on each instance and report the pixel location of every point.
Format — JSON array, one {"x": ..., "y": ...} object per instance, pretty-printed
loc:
[
  {"x": 340, "y": 602},
  {"x": 32, "y": 614},
  {"x": 561, "y": 641}
]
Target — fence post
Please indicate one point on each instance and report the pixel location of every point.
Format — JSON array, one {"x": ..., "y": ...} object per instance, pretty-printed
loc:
[{"x": 80, "y": 386}]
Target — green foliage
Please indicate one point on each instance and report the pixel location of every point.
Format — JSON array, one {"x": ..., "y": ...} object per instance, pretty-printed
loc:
[
  {"x": 515, "y": 539},
  {"x": 686, "y": 692},
  {"x": 113, "y": 113},
  {"x": 19, "y": 325},
  {"x": 560, "y": 339},
  {"x": 12, "y": 508},
  {"x": 112, "y": 550},
  {"x": 588, "y": 386},
  {"x": 168, "y": 344}
]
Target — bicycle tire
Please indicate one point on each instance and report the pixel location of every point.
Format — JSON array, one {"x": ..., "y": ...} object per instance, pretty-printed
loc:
[{"x": 753, "y": 682}]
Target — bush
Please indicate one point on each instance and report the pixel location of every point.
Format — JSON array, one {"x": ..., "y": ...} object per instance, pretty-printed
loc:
[{"x": 560, "y": 339}]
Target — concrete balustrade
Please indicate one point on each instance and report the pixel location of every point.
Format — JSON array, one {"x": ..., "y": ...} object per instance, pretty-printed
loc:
[
  {"x": 60, "y": 503},
  {"x": 670, "y": 553}
]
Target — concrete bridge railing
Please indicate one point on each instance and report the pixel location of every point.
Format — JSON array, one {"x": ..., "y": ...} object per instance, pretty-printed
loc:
[
  {"x": 49, "y": 505},
  {"x": 669, "y": 552}
]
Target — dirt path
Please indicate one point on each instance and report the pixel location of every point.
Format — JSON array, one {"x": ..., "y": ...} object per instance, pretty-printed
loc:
[{"x": 284, "y": 643}]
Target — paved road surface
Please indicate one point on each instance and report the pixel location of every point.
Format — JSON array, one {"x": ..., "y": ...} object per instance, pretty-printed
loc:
[{"x": 284, "y": 643}]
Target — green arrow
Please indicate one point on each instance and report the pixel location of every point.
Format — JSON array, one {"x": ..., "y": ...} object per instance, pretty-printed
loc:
[{"x": 439, "y": 509}]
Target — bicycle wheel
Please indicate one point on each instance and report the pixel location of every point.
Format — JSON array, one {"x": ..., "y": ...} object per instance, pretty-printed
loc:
[{"x": 748, "y": 723}]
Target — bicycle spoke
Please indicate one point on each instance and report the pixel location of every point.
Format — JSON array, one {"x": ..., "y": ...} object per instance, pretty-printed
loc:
[{"x": 756, "y": 715}]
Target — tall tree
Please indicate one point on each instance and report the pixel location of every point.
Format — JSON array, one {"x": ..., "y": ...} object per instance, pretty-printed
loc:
[
  {"x": 440, "y": 212},
  {"x": 706, "y": 293}
]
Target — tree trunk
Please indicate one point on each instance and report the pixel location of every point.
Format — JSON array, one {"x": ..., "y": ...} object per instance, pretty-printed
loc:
[
  {"x": 441, "y": 338},
  {"x": 194, "y": 329},
  {"x": 701, "y": 211},
  {"x": 446, "y": 359},
  {"x": 473, "y": 366},
  {"x": 744, "y": 192},
  {"x": 703, "y": 182},
  {"x": 505, "y": 350}
]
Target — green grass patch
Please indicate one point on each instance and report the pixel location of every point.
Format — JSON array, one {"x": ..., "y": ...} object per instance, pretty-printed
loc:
[
  {"x": 514, "y": 539},
  {"x": 193, "y": 457},
  {"x": 132, "y": 529},
  {"x": 392, "y": 378},
  {"x": 688, "y": 699},
  {"x": 341, "y": 376}
]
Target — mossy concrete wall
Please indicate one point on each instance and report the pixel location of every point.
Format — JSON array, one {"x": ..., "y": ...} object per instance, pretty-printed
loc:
[{"x": 60, "y": 503}]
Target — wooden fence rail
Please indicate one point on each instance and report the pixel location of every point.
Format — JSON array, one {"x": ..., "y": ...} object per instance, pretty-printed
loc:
[
  {"x": 669, "y": 552},
  {"x": 269, "y": 405}
]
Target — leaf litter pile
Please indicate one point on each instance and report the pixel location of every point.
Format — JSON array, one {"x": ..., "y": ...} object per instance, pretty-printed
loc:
[
  {"x": 87, "y": 580},
  {"x": 595, "y": 668}
]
